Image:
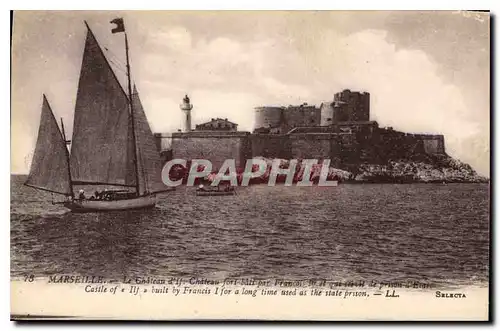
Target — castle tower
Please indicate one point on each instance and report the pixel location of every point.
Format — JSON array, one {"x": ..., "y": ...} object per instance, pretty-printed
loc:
[
  {"x": 327, "y": 114},
  {"x": 186, "y": 107}
]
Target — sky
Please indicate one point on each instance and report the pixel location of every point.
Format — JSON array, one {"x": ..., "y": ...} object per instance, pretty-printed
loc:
[{"x": 427, "y": 72}]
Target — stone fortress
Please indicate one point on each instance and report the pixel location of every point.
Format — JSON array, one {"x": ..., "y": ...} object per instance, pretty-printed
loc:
[{"x": 340, "y": 130}]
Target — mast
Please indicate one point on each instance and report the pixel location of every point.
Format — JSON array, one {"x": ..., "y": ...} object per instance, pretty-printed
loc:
[
  {"x": 67, "y": 157},
  {"x": 132, "y": 117}
]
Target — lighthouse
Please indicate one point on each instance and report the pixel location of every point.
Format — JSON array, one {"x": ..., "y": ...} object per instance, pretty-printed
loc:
[{"x": 186, "y": 107}]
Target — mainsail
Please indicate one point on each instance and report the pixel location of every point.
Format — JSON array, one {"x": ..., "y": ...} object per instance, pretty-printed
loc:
[
  {"x": 49, "y": 167},
  {"x": 148, "y": 159},
  {"x": 101, "y": 124}
]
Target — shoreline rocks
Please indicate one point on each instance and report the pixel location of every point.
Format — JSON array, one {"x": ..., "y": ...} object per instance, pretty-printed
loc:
[
  {"x": 428, "y": 169},
  {"x": 441, "y": 169}
]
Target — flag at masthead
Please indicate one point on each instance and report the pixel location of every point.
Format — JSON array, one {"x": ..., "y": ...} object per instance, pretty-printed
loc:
[{"x": 120, "y": 27}]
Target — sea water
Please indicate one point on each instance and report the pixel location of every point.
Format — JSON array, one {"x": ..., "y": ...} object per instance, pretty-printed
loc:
[{"x": 435, "y": 233}]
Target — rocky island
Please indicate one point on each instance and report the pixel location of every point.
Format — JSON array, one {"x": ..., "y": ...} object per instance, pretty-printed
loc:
[{"x": 359, "y": 150}]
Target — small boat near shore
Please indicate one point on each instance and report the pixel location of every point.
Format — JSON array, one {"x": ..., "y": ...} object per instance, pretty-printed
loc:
[{"x": 215, "y": 191}]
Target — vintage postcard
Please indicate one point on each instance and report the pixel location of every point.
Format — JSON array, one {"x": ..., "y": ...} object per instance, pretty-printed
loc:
[{"x": 250, "y": 165}]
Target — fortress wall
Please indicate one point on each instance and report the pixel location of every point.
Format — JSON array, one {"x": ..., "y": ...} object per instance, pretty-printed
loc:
[
  {"x": 163, "y": 141},
  {"x": 363, "y": 142},
  {"x": 412, "y": 145},
  {"x": 311, "y": 146},
  {"x": 394, "y": 144},
  {"x": 390, "y": 144},
  {"x": 338, "y": 147},
  {"x": 270, "y": 145},
  {"x": 423, "y": 143},
  {"x": 216, "y": 148},
  {"x": 433, "y": 144},
  {"x": 348, "y": 148},
  {"x": 301, "y": 116}
]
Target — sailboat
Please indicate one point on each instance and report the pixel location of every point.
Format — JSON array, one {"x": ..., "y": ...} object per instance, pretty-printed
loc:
[{"x": 112, "y": 142}]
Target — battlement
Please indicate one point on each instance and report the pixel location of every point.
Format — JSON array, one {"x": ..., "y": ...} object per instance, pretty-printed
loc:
[
  {"x": 210, "y": 134},
  {"x": 351, "y": 106},
  {"x": 346, "y": 106},
  {"x": 283, "y": 119}
]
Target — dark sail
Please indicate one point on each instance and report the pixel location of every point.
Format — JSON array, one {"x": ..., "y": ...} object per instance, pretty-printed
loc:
[
  {"x": 49, "y": 168},
  {"x": 101, "y": 124},
  {"x": 148, "y": 158}
]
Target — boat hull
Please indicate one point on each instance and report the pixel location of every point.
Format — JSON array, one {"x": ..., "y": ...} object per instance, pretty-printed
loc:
[
  {"x": 214, "y": 193},
  {"x": 86, "y": 206}
]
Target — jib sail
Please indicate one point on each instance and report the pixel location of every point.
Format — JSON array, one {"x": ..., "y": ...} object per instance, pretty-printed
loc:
[{"x": 49, "y": 167}]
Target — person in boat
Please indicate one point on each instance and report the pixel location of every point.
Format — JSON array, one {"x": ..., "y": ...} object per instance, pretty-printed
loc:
[
  {"x": 81, "y": 195},
  {"x": 105, "y": 195},
  {"x": 201, "y": 187}
]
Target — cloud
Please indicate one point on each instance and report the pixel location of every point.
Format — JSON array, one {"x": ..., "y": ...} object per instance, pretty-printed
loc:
[{"x": 178, "y": 39}]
